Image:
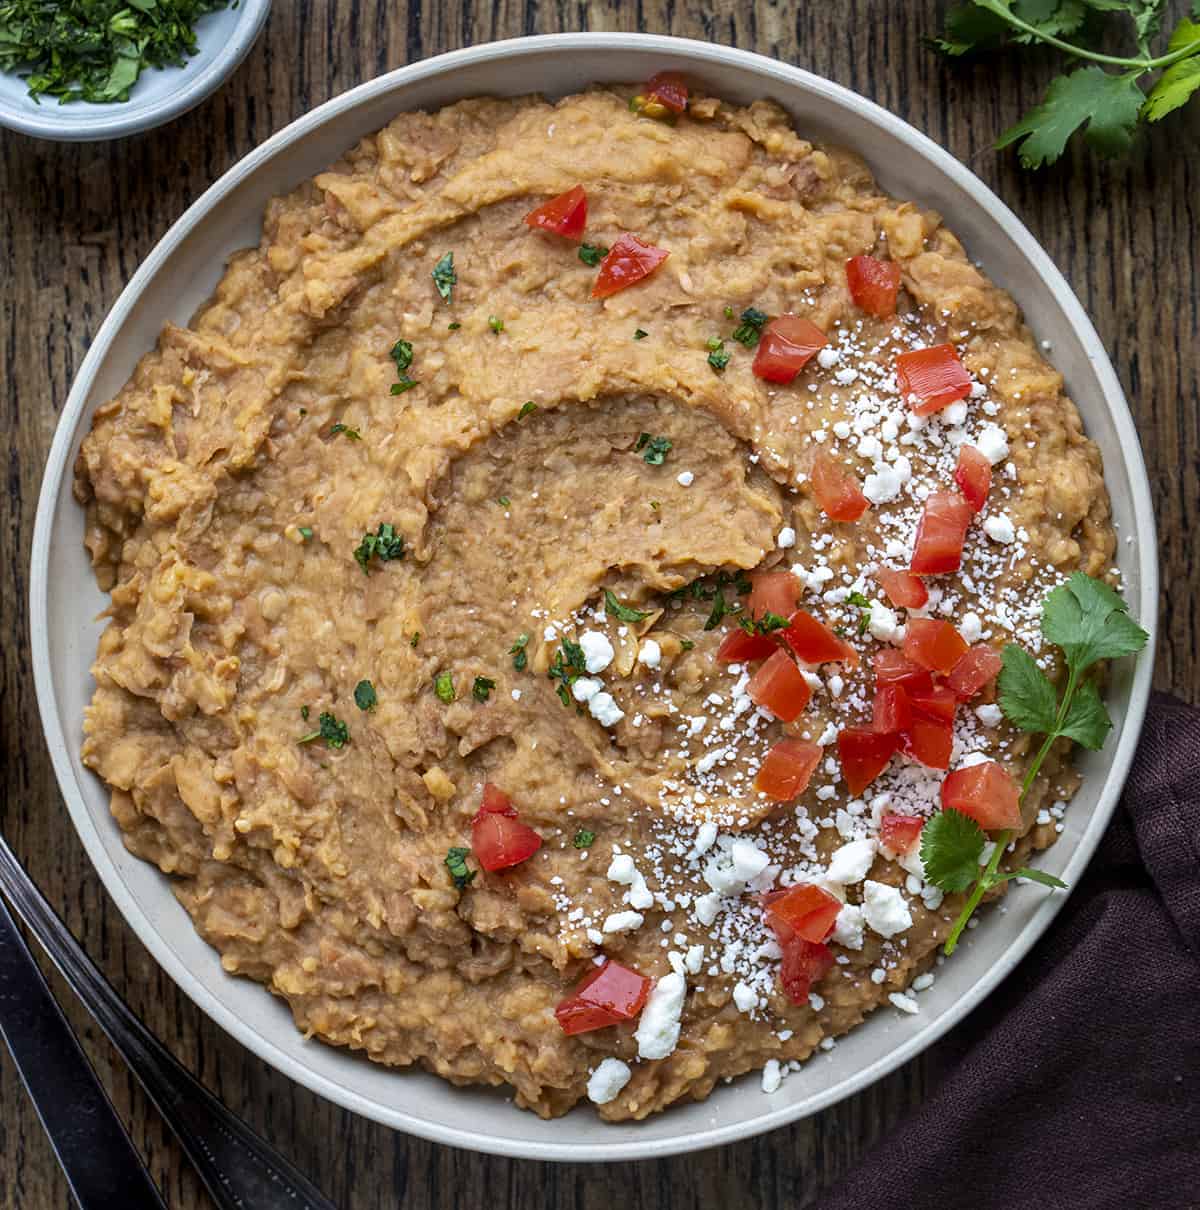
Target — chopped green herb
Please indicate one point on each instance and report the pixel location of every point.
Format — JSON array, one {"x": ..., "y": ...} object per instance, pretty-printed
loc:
[
  {"x": 584, "y": 839},
  {"x": 728, "y": 311},
  {"x": 527, "y": 409},
  {"x": 364, "y": 696},
  {"x": 657, "y": 448},
  {"x": 504, "y": 501},
  {"x": 592, "y": 254},
  {"x": 864, "y": 611},
  {"x": 654, "y": 504},
  {"x": 518, "y": 652},
  {"x": 352, "y": 434},
  {"x": 456, "y": 862},
  {"x": 304, "y": 713},
  {"x": 686, "y": 644},
  {"x": 496, "y": 324},
  {"x": 402, "y": 355},
  {"x": 454, "y": 326},
  {"x": 750, "y": 329},
  {"x": 305, "y": 531},
  {"x": 640, "y": 334},
  {"x": 567, "y": 667},
  {"x": 304, "y": 411},
  {"x": 443, "y": 686},
  {"x": 767, "y": 624},
  {"x": 385, "y": 545},
  {"x": 444, "y": 277},
  {"x": 623, "y": 613},
  {"x": 416, "y": 638},
  {"x": 718, "y": 358},
  {"x": 482, "y": 687},
  {"x": 331, "y": 729}
]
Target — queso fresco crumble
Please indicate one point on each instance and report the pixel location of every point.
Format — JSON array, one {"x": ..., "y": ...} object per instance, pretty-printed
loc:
[{"x": 559, "y": 588}]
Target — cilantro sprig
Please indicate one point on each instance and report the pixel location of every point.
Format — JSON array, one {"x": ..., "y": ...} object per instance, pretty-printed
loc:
[
  {"x": 1106, "y": 104},
  {"x": 567, "y": 667},
  {"x": 1088, "y": 622},
  {"x": 331, "y": 729},
  {"x": 623, "y": 613}
]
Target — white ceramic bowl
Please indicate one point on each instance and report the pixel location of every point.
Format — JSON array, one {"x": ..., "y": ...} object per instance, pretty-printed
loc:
[
  {"x": 183, "y": 270},
  {"x": 159, "y": 95}
]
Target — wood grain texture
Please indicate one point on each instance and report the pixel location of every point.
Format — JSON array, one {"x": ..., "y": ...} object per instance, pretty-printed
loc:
[{"x": 77, "y": 220}]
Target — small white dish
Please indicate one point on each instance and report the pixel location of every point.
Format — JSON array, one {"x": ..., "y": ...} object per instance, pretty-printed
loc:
[
  {"x": 182, "y": 272},
  {"x": 224, "y": 38}
]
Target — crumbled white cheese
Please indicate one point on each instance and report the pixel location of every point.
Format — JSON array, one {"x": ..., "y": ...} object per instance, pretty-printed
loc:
[
  {"x": 772, "y": 1074},
  {"x": 650, "y": 653},
  {"x": 989, "y": 715},
  {"x": 707, "y": 907},
  {"x": 604, "y": 709},
  {"x": 971, "y": 627},
  {"x": 706, "y": 837},
  {"x": 597, "y": 650},
  {"x": 623, "y": 922},
  {"x": 748, "y": 859},
  {"x": 999, "y": 528},
  {"x": 906, "y": 1004},
  {"x": 883, "y": 623},
  {"x": 992, "y": 443},
  {"x": 883, "y": 485},
  {"x": 744, "y": 996},
  {"x": 848, "y": 929},
  {"x": 786, "y": 538},
  {"x": 921, "y": 982},
  {"x": 693, "y": 960},
  {"x": 606, "y": 1082},
  {"x": 685, "y": 478},
  {"x": 828, "y": 357},
  {"x": 885, "y": 909},
  {"x": 850, "y": 863},
  {"x": 658, "y": 1028},
  {"x": 586, "y": 688}
]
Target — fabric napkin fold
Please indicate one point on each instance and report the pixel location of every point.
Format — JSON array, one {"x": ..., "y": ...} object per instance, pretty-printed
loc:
[{"x": 1077, "y": 1083}]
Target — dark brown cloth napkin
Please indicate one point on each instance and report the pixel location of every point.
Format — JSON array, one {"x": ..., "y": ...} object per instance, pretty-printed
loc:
[{"x": 1077, "y": 1083}]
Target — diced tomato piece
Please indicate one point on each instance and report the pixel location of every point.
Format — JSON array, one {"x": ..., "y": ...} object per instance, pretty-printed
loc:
[
  {"x": 786, "y": 346},
  {"x": 937, "y": 703},
  {"x": 902, "y": 587},
  {"x": 814, "y": 643},
  {"x": 865, "y": 754},
  {"x": 629, "y": 260},
  {"x": 779, "y": 686},
  {"x": 873, "y": 284},
  {"x": 933, "y": 643},
  {"x": 836, "y": 490},
  {"x": 804, "y": 962},
  {"x": 565, "y": 215},
  {"x": 931, "y": 379},
  {"x": 737, "y": 647},
  {"x": 987, "y": 793},
  {"x": 893, "y": 667},
  {"x": 940, "y": 534},
  {"x": 495, "y": 801},
  {"x": 774, "y": 592},
  {"x": 900, "y": 832},
  {"x": 604, "y": 996},
  {"x": 974, "y": 670},
  {"x": 929, "y": 740},
  {"x": 892, "y": 712},
  {"x": 670, "y": 88},
  {"x": 973, "y": 474},
  {"x": 806, "y": 909},
  {"x": 500, "y": 840},
  {"x": 787, "y": 768}
]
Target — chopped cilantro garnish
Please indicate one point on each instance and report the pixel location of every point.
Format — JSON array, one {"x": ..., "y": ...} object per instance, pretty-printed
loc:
[
  {"x": 640, "y": 334},
  {"x": 503, "y": 501},
  {"x": 657, "y": 448},
  {"x": 527, "y": 409},
  {"x": 416, "y": 638},
  {"x": 750, "y": 329},
  {"x": 567, "y": 667},
  {"x": 584, "y": 839},
  {"x": 456, "y": 862},
  {"x": 864, "y": 608},
  {"x": 365, "y": 697},
  {"x": 443, "y": 686},
  {"x": 592, "y": 254},
  {"x": 305, "y": 531},
  {"x": 728, "y": 311},
  {"x": 622, "y": 613},
  {"x": 496, "y": 324},
  {"x": 444, "y": 277},
  {"x": 402, "y": 355},
  {"x": 686, "y": 644},
  {"x": 454, "y": 326},
  {"x": 767, "y": 624},
  {"x": 718, "y": 358},
  {"x": 304, "y": 713},
  {"x": 385, "y": 545},
  {"x": 482, "y": 687},
  {"x": 332, "y": 730},
  {"x": 518, "y": 652},
  {"x": 352, "y": 434}
]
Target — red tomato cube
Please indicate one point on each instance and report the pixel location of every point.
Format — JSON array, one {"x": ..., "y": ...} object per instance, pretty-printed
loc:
[
  {"x": 738, "y": 647},
  {"x": 893, "y": 667},
  {"x": 836, "y": 490},
  {"x": 873, "y": 284},
  {"x": 670, "y": 88},
  {"x": 804, "y": 962},
  {"x": 604, "y": 996},
  {"x": 773, "y": 592},
  {"x": 814, "y": 643},
  {"x": 892, "y": 712},
  {"x": 565, "y": 215},
  {"x": 787, "y": 344},
  {"x": 865, "y": 754},
  {"x": 933, "y": 643},
  {"x": 629, "y": 260},
  {"x": 936, "y": 703},
  {"x": 787, "y": 769},
  {"x": 902, "y": 587},
  {"x": 779, "y": 686},
  {"x": 495, "y": 801},
  {"x": 987, "y": 793},
  {"x": 973, "y": 476},
  {"x": 806, "y": 909},
  {"x": 932, "y": 379},
  {"x": 900, "y": 832},
  {"x": 501, "y": 840},
  {"x": 929, "y": 740},
  {"x": 940, "y": 534},
  {"x": 974, "y": 669}
]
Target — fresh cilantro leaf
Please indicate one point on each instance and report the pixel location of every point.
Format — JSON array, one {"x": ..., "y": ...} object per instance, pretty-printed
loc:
[
  {"x": 1090, "y": 622},
  {"x": 444, "y": 277},
  {"x": 1035, "y": 875},
  {"x": 584, "y": 839},
  {"x": 686, "y": 644},
  {"x": 1181, "y": 79},
  {"x": 592, "y": 254},
  {"x": 1087, "y": 720},
  {"x": 518, "y": 652},
  {"x": 951, "y": 844},
  {"x": 416, "y": 638},
  {"x": 657, "y": 449},
  {"x": 453, "y": 327},
  {"x": 728, "y": 311},
  {"x": 496, "y": 324},
  {"x": 720, "y": 608},
  {"x": 352, "y": 434},
  {"x": 1108, "y": 103},
  {"x": 365, "y": 697},
  {"x": 970, "y": 28},
  {"x": 623, "y": 613},
  {"x": 482, "y": 687},
  {"x": 503, "y": 501},
  {"x": 385, "y": 545},
  {"x": 456, "y": 862},
  {"x": 331, "y": 729},
  {"x": 1051, "y": 18},
  {"x": 304, "y": 713},
  {"x": 443, "y": 686},
  {"x": 750, "y": 329},
  {"x": 1025, "y": 692},
  {"x": 640, "y": 334},
  {"x": 305, "y": 531},
  {"x": 402, "y": 354},
  {"x": 718, "y": 358},
  {"x": 527, "y": 409}
]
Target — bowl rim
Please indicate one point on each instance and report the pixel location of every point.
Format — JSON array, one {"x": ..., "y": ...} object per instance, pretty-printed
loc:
[
  {"x": 88, "y": 122},
  {"x": 1017, "y": 946}
]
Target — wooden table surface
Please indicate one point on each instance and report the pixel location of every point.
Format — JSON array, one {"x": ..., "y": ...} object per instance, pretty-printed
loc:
[{"x": 77, "y": 220}]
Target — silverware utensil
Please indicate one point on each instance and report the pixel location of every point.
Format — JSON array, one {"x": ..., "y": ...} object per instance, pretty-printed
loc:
[{"x": 240, "y": 1170}]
